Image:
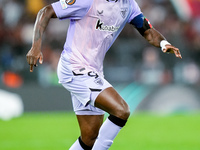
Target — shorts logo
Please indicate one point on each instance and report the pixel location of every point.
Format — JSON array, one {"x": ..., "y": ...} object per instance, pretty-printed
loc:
[
  {"x": 70, "y": 2},
  {"x": 93, "y": 74},
  {"x": 99, "y": 81}
]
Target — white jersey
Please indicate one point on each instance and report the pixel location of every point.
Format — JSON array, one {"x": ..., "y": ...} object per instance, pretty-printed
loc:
[{"x": 94, "y": 26}]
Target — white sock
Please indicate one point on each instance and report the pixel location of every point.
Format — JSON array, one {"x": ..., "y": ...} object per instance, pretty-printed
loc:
[
  {"x": 76, "y": 146},
  {"x": 107, "y": 133}
]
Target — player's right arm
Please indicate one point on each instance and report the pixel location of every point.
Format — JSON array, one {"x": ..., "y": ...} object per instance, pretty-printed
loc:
[
  {"x": 42, "y": 20},
  {"x": 75, "y": 9}
]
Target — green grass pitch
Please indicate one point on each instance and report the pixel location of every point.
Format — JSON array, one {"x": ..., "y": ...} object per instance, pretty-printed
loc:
[{"x": 58, "y": 131}]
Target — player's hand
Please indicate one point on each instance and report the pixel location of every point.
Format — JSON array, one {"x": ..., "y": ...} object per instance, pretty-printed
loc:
[
  {"x": 32, "y": 57},
  {"x": 173, "y": 50}
]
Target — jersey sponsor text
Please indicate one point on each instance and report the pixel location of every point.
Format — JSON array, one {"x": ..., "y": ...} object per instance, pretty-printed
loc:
[{"x": 100, "y": 26}]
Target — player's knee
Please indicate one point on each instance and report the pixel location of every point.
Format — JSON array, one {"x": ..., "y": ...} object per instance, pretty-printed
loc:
[
  {"x": 126, "y": 112},
  {"x": 123, "y": 112},
  {"x": 89, "y": 138}
]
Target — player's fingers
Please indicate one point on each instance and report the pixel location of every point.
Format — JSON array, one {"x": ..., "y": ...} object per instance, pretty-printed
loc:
[
  {"x": 31, "y": 61},
  {"x": 35, "y": 61},
  {"x": 178, "y": 54},
  {"x": 41, "y": 59},
  {"x": 31, "y": 68},
  {"x": 172, "y": 49},
  {"x": 164, "y": 50},
  {"x": 167, "y": 50}
]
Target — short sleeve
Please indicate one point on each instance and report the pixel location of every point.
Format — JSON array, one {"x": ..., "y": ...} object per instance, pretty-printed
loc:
[
  {"x": 135, "y": 10},
  {"x": 75, "y": 10}
]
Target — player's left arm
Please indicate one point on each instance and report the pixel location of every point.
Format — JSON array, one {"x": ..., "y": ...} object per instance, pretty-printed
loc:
[{"x": 154, "y": 37}]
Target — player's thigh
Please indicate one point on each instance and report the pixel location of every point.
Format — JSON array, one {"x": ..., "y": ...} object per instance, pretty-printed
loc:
[
  {"x": 89, "y": 126},
  {"x": 110, "y": 101}
]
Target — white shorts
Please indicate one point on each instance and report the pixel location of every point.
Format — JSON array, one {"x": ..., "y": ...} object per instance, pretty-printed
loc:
[{"x": 84, "y": 89}]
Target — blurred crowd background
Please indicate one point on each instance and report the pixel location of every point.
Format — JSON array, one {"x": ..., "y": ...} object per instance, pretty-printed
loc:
[
  {"x": 131, "y": 56},
  {"x": 130, "y": 59}
]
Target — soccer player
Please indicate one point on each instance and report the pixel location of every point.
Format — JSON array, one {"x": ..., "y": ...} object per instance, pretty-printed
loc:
[{"x": 94, "y": 26}]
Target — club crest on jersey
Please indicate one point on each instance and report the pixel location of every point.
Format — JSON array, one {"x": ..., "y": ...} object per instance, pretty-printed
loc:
[
  {"x": 70, "y": 2},
  {"x": 123, "y": 12},
  {"x": 100, "y": 26}
]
